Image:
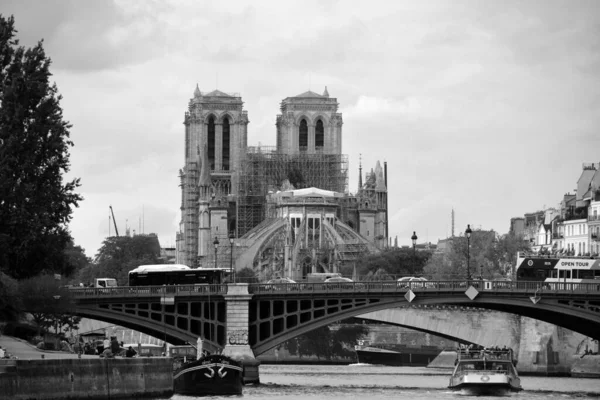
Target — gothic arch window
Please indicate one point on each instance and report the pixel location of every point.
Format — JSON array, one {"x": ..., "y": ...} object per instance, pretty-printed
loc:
[
  {"x": 226, "y": 143},
  {"x": 303, "y": 135},
  {"x": 319, "y": 135},
  {"x": 211, "y": 142}
]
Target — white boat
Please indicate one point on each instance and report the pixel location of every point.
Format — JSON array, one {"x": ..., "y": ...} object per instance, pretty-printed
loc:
[{"x": 485, "y": 372}]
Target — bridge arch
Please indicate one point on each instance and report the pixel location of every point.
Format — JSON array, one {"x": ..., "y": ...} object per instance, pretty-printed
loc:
[{"x": 276, "y": 328}]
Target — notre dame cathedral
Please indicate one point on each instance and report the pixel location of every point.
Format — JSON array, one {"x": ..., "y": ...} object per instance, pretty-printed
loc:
[{"x": 282, "y": 210}]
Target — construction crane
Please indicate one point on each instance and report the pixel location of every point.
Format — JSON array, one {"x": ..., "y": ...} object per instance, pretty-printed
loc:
[{"x": 114, "y": 220}]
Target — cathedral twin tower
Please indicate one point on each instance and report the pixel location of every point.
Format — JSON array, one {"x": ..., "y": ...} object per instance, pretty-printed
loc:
[{"x": 227, "y": 190}]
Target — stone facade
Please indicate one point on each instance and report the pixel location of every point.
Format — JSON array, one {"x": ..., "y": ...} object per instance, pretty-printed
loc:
[{"x": 229, "y": 209}]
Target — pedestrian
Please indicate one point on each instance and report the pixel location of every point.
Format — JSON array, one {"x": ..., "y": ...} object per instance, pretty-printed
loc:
[
  {"x": 130, "y": 352},
  {"x": 114, "y": 345},
  {"x": 2, "y": 353}
]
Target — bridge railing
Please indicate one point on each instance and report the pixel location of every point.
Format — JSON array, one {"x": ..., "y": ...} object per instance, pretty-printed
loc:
[
  {"x": 523, "y": 287},
  {"x": 145, "y": 291},
  {"x": 429, "y": 286}
]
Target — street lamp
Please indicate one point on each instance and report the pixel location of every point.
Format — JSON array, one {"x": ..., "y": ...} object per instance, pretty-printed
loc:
[
  {"x": 231, "y": 273},
  {"x": 468, "y": 235},
  {"x": 216, "y": 244},
  {"x": 414, "y": 242}
]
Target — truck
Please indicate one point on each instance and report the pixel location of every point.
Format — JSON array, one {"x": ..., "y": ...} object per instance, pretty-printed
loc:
[{"x": 105, "y": 282}]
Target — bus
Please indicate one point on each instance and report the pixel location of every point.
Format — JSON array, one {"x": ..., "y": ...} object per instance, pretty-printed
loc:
[
  {"x": 552, "y": 269},
  {"x": 176, "y": 274}
]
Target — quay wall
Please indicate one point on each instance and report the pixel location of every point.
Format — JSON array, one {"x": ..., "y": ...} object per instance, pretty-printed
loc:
[
  {"x": 87, "y": 378},
  {"x": 587, "y": 366}
]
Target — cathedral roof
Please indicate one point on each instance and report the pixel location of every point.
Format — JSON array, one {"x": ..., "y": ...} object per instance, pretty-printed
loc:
[
  {"x": 312, "y": 191},
  {"x": 310, "y": 94},
  {"x": 217, "y": 93}
]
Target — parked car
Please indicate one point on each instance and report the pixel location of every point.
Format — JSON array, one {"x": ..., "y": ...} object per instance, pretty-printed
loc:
[
  {"x": 412, "y": 282},
  {"x": 281, "y": 284},
  {"x": 341, "y": 282}
]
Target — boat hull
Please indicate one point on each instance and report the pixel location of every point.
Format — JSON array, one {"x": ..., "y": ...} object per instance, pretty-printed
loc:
[
  {"x": 209, "y": 376},
  {"x": 408, "y": 357},
  {"x": 485, "y": 384},
  {"x": 485, "y": 390}
]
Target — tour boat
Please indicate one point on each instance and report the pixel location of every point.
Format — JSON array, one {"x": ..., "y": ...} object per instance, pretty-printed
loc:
[
  {"x": 485, "y": 372},
  {"x": 211, "y": 375}
]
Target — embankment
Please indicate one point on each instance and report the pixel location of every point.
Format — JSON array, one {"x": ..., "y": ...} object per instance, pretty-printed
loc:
[{"x": 87, "y": 378}]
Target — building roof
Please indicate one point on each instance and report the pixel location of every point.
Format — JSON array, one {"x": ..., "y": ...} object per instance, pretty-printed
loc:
[
  {"x": 310, "y": 94},
  {"x": 311, "y": 191},
  {"x": 217, "y": 93}
]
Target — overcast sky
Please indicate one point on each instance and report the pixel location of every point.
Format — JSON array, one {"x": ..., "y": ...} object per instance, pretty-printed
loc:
[{"x": 487, "y": 107}]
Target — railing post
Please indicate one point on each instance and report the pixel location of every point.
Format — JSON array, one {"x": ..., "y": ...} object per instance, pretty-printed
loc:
[{"x": 237, "y": 345}]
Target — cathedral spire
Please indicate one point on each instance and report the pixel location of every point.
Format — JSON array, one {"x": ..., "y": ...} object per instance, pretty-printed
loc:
[
  {"x": 325, "y": 93},
  {"x": 197, "y": 91},
  {"x": 360, "y": 184}
]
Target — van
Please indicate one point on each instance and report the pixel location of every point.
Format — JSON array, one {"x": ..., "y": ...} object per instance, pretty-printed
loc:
[
  {"x": 105, "y": 282},
  {"x": 317, "y": 277}
]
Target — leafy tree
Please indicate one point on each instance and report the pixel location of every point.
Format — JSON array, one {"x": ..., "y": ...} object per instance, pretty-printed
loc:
[
  {"x": 325, "y": 342},
  {"x": 346, "y": 337},
  {"x": 490, "y": 256},
  {"x": 119, "y": 255},
  {"x": 9, "y": 298},
  {"x": 246, "y": 275},
  {"x": 46, "y": 300},
  {"x": 316, "y": 342},
  {"x": 35, "y": 203},
  {"x": 389, "y": 264}
]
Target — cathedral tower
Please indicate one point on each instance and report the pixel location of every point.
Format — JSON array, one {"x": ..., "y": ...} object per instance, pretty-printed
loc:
[
  {"x": 309, "y": 123},
  {"x": 216, "y": 136}
]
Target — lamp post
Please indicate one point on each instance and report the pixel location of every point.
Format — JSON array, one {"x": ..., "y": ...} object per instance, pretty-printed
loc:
[
  {"x": 468, "y": 232},
  {"x": 414, "y": 242},
  {"x": 231, "y": 272},
  {"x": 216, "y": 244}
]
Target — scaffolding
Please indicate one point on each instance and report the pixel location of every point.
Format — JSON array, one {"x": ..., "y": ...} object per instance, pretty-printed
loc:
[
  {"x": 190, "y": 212},
  {"x": 263, "y": 170}
]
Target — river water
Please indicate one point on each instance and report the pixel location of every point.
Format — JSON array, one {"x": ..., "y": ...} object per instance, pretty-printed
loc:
[{"x": 371, "y": 382}]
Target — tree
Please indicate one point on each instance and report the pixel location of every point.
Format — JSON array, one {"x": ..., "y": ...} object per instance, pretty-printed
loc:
[
  {"x": 46, "y": 300},
  {"x": 246, "y": 275},
  {"x": 9, "y": 298},
  {"x": 119, "y": 255},
  {"x": 35, "y": 203},
  {"x": 489, "y": 255},
  {"x": 389, "y": 264}
]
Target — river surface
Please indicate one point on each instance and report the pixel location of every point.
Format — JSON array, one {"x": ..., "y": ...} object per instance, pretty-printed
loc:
[{"x": 371, "y": 382}]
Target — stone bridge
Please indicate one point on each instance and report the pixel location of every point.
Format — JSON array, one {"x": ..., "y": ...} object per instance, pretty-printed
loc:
[
  {"x": 250, "y": 319},
  {"x": 540, "y": 347}
]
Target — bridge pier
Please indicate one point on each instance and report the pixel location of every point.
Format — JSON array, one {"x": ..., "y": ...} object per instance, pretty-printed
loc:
[{"x": 237, "y": 345}]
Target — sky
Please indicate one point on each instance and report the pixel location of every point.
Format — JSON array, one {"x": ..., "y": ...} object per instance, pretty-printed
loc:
[{"x": 489, "y": 108}]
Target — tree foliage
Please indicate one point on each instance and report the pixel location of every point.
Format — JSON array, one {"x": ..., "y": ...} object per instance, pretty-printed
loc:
[
  {"x": 118, "y": 256},
  {"x": 9, "y": 298},
  {"x": 328, "y": 342},
  {"x": 35, "y": 203},
  {"x": 389, "y": 264},
  {"x": 47, "y": 300},
  {"x": 489, "y": 256}
]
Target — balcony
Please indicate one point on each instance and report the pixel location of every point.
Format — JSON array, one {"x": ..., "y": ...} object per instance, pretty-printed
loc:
[
  {"x": 595, "y": 237},
  {"x": 557, "y": 236},
  {"x": 593, "y": 217}
]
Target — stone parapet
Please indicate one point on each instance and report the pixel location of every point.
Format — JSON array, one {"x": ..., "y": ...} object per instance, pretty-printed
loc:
[{"x": 100, "y": 378}]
